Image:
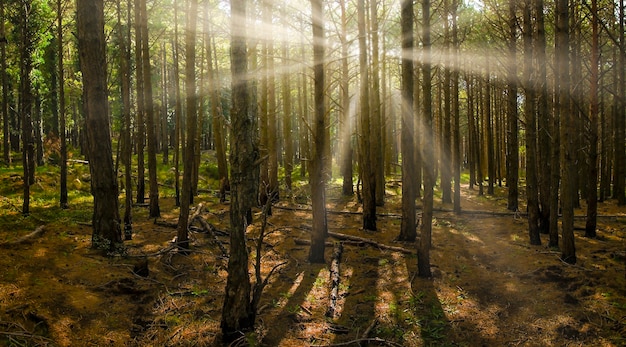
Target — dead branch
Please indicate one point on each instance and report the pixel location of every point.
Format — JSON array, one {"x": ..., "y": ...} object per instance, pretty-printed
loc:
[
  {"x": 370, "y": 242},
  {"x": 369, "y": 328},
  {"x": 305, "y": 242},
  {"x": 301, "y": 209},
  {"x": 28, "y": 238},
  {"x": 334, "y": 280},
  {"x": 209, "y": 229}
]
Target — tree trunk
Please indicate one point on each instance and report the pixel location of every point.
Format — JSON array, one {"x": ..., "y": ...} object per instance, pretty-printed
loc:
[
  {"x": 346, "y": 118},
  {"x": 489, "y": 125},
  {"x": 456, "y": 131},
  {"x": 543, "y": 119},
  {"x": 512, "y": 157},
  {"x": 287, "y": 112},
  {"x": 562, "y": 85},
  {"x": 5, "y": 90},
  {"x": 107, "y": 234},
  {"x": 318, "y": 187},
  {"x": 218, "y": 117},
  {"x": 141, "y": 128},
  {"x": 530, "y": 109},
  {"x": 376, "y": 143},
  {"x": 594, "y": 110},
  {"x": 63, "y": 200},
  {"x": 365, "y": 153},
  {"x": 192, "y": 119},
  {"x": 408, "y": 226},
  {"x": 238, "y": 314},
  {"x": 423, "y": 251},
  {"x": 148, "y": 104},
  {"x": 445, "y": 156},
  {"x": 124, "y": 38},
  {"x": 177, "y": 108},
  {"x": 26, "y": 100},
  {"x": 619, "y": 186}
]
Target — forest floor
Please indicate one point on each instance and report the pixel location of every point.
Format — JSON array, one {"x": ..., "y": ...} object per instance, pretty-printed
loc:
[{"x": 489, "y": 286}]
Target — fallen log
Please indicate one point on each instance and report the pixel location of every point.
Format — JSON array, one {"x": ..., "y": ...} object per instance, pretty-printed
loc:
[
  {"x": 28, "y": 238},
  {"x": 334, "y": 280}
]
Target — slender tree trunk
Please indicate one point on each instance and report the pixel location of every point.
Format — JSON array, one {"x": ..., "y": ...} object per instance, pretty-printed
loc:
[
  {"x": 107, "y": 234},
  {"x": 445, "y": 157},
  {"x": 543, "y": 119},
  {"x": 365, "y": 153},
  {"x": 218, "y": 119},
  {"x": 287, "y": 112},
  {"x": 489, "y": 125},
  {"x": 123, "y": 38},
  {"x": 148, "y": 104},
  {"x": 408, "y": 226},
  {"x": 26, "y": 100},
  {"x": 6, "y": 138},
  {"x": 141, "y": 128},
  {"x": 238, "y": 313},
  {"x": 423, "y": 251},
  {"x": 178, "y": 132},
  {"x": 346, "y": 120},
  {"x": 376, "y": 143},
  {"x": 619, "y": 186},
  {"x": 192, "y": 119},
  {"x": 512, "y": 158},
  {"x": 594, "y": 110},
  {"x": 568, "y": 250},
  {"x": 318, "y": 189},
  {"x": 164, "y": 134},
  {"x": 456, "y": 131},
  {"x": 63, "y": 201},
  {"x": 530, "y": 109}
]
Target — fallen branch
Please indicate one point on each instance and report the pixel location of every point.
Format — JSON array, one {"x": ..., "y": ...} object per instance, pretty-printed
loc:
[
  {"x": 305, "y": 242},
  {"x": 370, "y": 242},
  {"x": 301, "y": 209},
  {"x": 368, "y": 330},
  {"x": 209, "y": 229},
  {"x": 28, "y": 238},
  {"x": 334, "y": 280}
]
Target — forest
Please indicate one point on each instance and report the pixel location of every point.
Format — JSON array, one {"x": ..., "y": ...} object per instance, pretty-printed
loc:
[{"x": 313, "y": 173}]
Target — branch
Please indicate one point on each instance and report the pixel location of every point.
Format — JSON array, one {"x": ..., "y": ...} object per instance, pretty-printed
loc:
[{"x": 28, "y": 238}]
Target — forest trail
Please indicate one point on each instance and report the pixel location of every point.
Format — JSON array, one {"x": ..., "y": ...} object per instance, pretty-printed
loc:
[{"x": 490, "y": 288}]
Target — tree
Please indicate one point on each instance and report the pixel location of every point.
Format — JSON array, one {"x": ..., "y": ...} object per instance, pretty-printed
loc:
[
  {"x": 6, "y": 146},
  {"x": 456, "y": 131},
  {"x": 61, "y": 71},
  {"x": 594, "y": 110},
  {"x": 619, "y": 186},
  {"x": 562, "y": 100},
  {"x": 192, "y": 119},
  {"x": 316, "y": 178},
  {"x": 376, "y": 136},
  {"x": 408, "y": 226},
  {"x": 346, "y": 122},
  {"x": 107, "y": 234},
  {"x": 543, "y": 119},
  {"x": 141, "y": 126},
  {"x": 532, "y": 191},
  {"x": 365, "y": 153},
  {"x": 238, "y": 313},
  {"x": 27, "y": 44},
  {"x": 512, "y": 158},
  {"x": 124, "y": 37},
  {"x": 423, "y": 251},
  {"x": 148, "y": 107}
]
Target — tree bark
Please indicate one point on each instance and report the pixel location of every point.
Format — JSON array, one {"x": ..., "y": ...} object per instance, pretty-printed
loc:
[
  {"x": 512, "y": 158},
  {"x": 346, "y": 120},
  {"x": 107, "y": 233},
  {"x": 408, "y": 225},
  {"x": 238, "y": 314},
  {"x": 530, "y": 109},
  {"x": 148, "y": 104},
  {"x": 63, "y": 199},
  {"x": 318, "y": 186},
  {"x": 5, "y": 89},
  {"x": 423, "y": 251},
  {"x": 365, "y": 152},
  {"x": 568, "y": 250},
  {"x": 594, "y": 110},
  {"x": 543, "y": 119},
  {"x": 192, "y": 119},
  {"x": 141, "y": 127}
]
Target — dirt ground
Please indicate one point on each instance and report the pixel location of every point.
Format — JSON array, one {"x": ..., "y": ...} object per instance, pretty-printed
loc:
[{"x": 490, "y": 287}]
